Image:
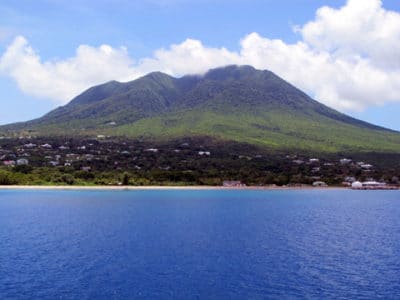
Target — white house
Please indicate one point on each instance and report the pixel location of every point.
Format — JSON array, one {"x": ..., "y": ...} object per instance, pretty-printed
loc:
[
  {"x": 22, "y": 161},
  {"x": 204, "y": 153},
  {"x": 366, "y": 166},
  {"x": 30, "y": 145},
  {"x": 368, "y": 185},
  {"x": 345, "y": 161},
  {"x": 233, "y": 183},
  {"x": 356, "y": 185},
  {"x": 319, "y": 184}
]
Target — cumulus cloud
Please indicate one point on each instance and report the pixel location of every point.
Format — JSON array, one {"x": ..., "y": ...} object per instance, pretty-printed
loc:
[
  {"x": 361, "y": 28},
  {"x": 61, "y": 80},
  {"x": 64, "y": 79},
  {"x": 189, "y": 57},
  {"x": 340, "y": 82},
  {"x": 347, "y": 58}
]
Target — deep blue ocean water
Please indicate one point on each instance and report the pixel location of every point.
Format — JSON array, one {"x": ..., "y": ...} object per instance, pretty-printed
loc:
[{"x": 225, "y": 244}]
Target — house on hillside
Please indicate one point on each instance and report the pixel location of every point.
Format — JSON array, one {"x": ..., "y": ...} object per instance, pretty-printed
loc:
[
  {"x": 30, "y": 145},
  {"x": 366, "y": 166},
  {"x": 9, "y": 163},
  {"x": 22, "y": 162},
  {"x": 201, "y": 153},
  {"x": 298, "y": 161},
  {"x": 345, "y": 161}
]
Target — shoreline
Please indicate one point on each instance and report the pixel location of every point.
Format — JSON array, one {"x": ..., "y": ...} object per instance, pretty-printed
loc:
[{"x": 150, "y": 187}]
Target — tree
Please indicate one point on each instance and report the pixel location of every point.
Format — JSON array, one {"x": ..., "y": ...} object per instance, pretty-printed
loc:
[
  {"x": 125, "y": 179},
  {"x": 7, "y": 179}
]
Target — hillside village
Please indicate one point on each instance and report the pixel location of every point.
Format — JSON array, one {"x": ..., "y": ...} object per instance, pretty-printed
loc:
[{"x": 203, "y": 161}]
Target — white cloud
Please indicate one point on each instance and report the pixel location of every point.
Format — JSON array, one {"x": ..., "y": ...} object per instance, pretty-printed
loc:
[
  {"x": 189, "y": 57},
  {"x": 361, "y": 28},
  {"x": 62, "y": 80},
  {"x": 346, "y": 84},
  {"x": 347, "y": 58}
]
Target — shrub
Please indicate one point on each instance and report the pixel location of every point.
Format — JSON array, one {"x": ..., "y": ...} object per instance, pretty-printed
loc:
[{"x": 6, "y": 178}]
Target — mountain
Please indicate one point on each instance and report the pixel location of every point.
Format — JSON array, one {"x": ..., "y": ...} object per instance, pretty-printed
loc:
[{"x": 237, "y": 103}]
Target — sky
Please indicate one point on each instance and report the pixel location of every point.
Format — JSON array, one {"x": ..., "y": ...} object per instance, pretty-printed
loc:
[{"x": 343, "y": 53}]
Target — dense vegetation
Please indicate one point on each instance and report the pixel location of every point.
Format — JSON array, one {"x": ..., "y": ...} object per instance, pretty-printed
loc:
[{"x": 189, "y": 161}]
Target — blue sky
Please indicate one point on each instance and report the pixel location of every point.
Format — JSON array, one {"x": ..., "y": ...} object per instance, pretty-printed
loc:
[{"x": 51, "y": 31}]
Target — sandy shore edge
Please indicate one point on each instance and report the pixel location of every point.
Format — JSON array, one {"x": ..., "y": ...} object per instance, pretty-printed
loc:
[{"x": 133, "y": 188}]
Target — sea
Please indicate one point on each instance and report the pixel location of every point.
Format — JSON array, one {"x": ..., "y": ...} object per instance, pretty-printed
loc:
[{"x": 199, "y": 244}]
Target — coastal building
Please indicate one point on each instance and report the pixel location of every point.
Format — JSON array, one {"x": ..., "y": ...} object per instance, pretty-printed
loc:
[
  {"x": 373, "y": 184},
  {"x": 319, "y": 184},
  {"x": 368, "y": 185},
  {"x": 350, "y": 179},
  {"x": 356, "y": 185},
  {"x": 233, "y": 183}
]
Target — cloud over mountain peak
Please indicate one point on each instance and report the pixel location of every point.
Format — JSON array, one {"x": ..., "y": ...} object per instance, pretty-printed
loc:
[{"x": 347, "y": 58}]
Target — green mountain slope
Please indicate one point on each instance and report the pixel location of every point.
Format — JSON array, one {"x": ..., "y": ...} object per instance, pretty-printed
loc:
[{"x": 232, "y": 103}]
